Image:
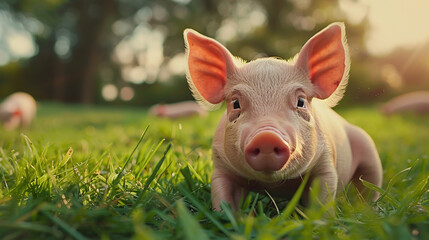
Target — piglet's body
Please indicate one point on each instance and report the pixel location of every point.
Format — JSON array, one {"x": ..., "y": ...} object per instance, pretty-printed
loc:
[
  {"x": 17, "y": 110},
  {"x": 278, "y": 124}
]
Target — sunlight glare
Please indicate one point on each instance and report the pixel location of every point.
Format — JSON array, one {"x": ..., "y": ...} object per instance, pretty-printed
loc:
[
  {"x": 355, "y": 11},
  {"x": 396, "y": 23}
]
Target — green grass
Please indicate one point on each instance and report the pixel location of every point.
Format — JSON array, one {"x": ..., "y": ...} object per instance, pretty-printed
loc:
[{"x": 75, "y": 175}]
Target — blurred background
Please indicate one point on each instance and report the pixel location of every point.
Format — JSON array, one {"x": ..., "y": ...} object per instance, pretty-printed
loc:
[{"x": 131, "y": 52}]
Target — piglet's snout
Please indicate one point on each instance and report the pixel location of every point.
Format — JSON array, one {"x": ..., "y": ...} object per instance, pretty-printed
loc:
[{"x": 267, "y": 151}]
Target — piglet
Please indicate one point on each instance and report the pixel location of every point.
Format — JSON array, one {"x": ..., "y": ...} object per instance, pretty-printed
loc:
[
  {"x": 278, "y": 123},
  {"x": 17, "y": 110}
]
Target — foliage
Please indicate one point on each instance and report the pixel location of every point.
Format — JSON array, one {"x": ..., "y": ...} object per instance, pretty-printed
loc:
[
  {"x": 249, "y": 29},
  {"x": 86, "y": 172}
]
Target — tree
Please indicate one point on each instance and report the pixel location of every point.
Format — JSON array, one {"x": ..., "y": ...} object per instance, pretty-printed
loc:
[
  {"x": 68, "y": 78},
  {"x": 78, "y": 49}
]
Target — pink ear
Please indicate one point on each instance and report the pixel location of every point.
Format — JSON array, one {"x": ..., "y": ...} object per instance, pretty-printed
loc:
[
  {"x": 208, "y": 64},
  {"x": 325, "y": 59}
]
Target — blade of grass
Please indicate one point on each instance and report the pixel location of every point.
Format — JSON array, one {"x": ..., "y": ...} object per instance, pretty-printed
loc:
[
  {"x": 384, "y": 193},
  {"x": 164, "y": 216},
  {"x": 274, "y": 202},
  {"x": 189, "y": 225},
  {"x": 200, "y": 207},
  {"x": 151, "y": 178},
  {"x": 249, "y": 223},
  {"x": 295, "y": 199},
  {"x": 121, "y": 174},
  {"x": 414, "y": 196},
  {"x": 71, "y": 231},
  {"x": 196, "y": 174},
  {"x": 66, "y": 157},
  {"x": 252, "y": 208},
  {"x": 35, "y": 227},
  {"x": 184, "y": 157},
  {"x": 149, "y": 156},
  {"x": 230, "y": 215}
]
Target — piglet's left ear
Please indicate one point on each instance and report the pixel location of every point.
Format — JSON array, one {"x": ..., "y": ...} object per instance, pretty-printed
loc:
[{"x": 325, "y": 59}]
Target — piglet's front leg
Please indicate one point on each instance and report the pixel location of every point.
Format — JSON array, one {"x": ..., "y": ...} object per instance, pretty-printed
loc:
[
  {"x": 226, "y": 188},
  {"x": 328, "y": 179}
]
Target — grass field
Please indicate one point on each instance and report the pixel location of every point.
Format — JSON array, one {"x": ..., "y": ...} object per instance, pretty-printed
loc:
[{"x": 75, "y": 175}]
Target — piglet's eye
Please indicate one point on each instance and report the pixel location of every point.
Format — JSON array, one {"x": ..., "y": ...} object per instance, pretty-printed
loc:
[
  {"x": 300, "y": 103},
  {"x": 235, "y": 104}
]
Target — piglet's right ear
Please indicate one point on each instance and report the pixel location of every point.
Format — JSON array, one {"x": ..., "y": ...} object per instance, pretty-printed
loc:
[{"x": 208, "y": 65}]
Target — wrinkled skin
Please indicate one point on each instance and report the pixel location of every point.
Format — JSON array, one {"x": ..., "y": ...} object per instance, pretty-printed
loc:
[
  {"x": 17, "y": 110},
  {"x": 278, "y": 124}
]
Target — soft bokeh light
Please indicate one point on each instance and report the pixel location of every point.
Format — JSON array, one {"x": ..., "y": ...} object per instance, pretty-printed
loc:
[
  {"x": 16, "y": 41},
  {"x": 246, "y": 17},
  {"x": 121, "y": 27},
  {"x": 144, "y": 47},
  {"x": 34, "y": 26},
  {"x": 126, "y": 94},
  {"x": 21, "y": 44},
  {"x": 139, "y": 38},
  {"x": 144, "y": 14},
  {"x": 62, "y": 46},
  {"x": 136, "y": 75},
  {"x": 123, "y": 53},
  {"x": 109, "y": 92},
  {"x": 177, "y": 64}
]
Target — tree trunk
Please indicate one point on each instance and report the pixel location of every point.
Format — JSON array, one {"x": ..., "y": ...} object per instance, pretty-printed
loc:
[{"x": 92, "y": 27}]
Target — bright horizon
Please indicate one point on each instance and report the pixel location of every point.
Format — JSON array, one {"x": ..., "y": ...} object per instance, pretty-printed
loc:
[{"x": 393, "y": 23}]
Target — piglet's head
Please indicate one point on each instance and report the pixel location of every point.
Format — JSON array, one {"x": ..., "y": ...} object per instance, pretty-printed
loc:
[{"x": 270, "y": 131}]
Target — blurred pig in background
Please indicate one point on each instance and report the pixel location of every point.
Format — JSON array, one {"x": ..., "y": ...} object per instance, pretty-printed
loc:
[
  {"x": 17, "y": 110},
  {"x": 177, "y": 110},
  {"x": 416, "y": 102}
]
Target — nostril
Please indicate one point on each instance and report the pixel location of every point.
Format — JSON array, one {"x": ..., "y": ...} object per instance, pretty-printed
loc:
[
  {"x": 255, "y": 151},
  {"x": 278, "y": 150}
]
